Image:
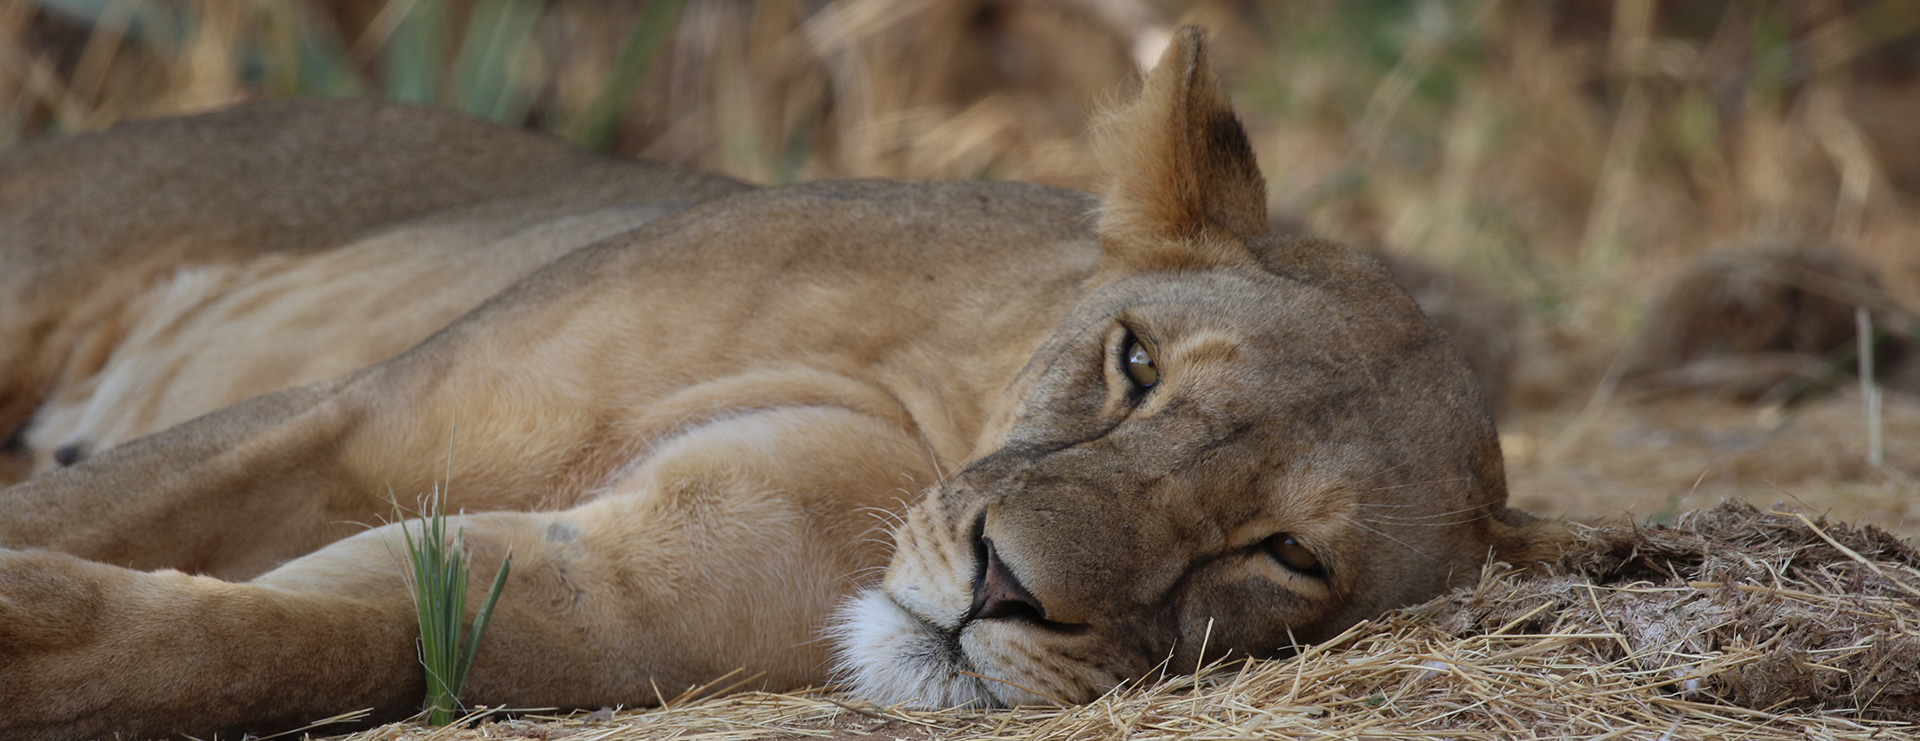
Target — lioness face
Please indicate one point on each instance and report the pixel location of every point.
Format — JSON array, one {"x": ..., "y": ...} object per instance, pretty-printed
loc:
[
  {"x": 1234, "y": 445},
  {"x": 1227, "y": 462}
]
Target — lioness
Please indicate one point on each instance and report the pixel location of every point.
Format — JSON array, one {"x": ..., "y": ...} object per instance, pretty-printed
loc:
[{"x": 697, "y": 425}]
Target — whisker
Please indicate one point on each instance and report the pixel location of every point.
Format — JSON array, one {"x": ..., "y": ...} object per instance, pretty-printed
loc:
[
  {"x": 1417, "y": 523},
  {"x": 1477, "y": 511},
  {"x": 1442, "y": 513},
  {"x": 888, "y": 516},
  {"x": 933, "y": 460},
  {"x": 860, "y": 577},
  {"x": 1403, "y": 544},
  {"x": 1419, "y": 483}
]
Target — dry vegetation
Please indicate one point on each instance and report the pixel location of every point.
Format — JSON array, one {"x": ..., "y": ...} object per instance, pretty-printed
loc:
[
  {"x": 1570, "y": 155},
  {"x": 1734, "y": 623}
]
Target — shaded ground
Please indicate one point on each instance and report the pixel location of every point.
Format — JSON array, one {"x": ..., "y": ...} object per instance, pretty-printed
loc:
[{"x": 1653, "y": 460}]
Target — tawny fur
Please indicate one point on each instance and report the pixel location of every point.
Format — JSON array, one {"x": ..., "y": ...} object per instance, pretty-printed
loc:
[
  {"x": 702, "y": 436},
  {"x": 1479, "y": 320},
  {"x": 1184, "y": 186}
]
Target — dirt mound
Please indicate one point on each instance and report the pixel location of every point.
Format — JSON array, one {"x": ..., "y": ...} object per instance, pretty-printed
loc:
[{"x": 1767, "y": 610}]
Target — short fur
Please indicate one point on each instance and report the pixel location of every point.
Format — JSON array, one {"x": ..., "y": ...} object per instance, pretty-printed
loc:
[{"x": 693, "y": 425}]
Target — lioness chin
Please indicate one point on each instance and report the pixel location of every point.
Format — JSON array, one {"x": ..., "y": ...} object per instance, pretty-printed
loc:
[{"x": 700, "y": 417}]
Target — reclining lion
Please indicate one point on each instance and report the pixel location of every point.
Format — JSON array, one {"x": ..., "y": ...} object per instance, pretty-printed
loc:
[{"x": 701, "y": 417}]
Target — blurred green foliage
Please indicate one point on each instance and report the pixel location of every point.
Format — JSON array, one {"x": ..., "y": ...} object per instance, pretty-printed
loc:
[{"x": 481, "y": 70}]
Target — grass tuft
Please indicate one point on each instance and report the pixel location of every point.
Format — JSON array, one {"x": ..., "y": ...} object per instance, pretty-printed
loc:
[{"x": 439, "y": 566}]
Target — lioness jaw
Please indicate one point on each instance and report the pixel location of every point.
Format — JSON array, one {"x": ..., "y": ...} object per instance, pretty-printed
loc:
[{"x": 1173, "y": 439}]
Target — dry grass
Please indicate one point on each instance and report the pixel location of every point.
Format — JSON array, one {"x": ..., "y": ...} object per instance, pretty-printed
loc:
[
  {"x": 1571, "y": 153},
  {"x": 771, "y": 91},
  {"x": 1733, "y": 623},
  {"x": 1575, "y": 158}
]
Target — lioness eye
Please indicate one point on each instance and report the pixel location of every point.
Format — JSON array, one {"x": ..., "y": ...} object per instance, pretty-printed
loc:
[
  {"x": 1140, "y": 366},
  {"x": 1289, "y": 551}
]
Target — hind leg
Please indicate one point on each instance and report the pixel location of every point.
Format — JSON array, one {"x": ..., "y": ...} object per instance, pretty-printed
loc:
[
  {"x": 232, "y": 493},
  {"x": 726, "y": 549},
  {"x": 245, "y": 488}
]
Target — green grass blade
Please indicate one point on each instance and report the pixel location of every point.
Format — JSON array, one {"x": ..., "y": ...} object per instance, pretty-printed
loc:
[
  {"x": 321, "y": 64},
  {"x": 484, "y": 82},
  {"x": 415, "y": 54},
  {"x": 480, "y": 625},
  {"x": 440, "y": 580},
  {"x": 595, "y": 127}
]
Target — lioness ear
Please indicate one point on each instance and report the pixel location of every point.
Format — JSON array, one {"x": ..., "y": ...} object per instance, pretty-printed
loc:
[{"x": 1185, "y": 190}]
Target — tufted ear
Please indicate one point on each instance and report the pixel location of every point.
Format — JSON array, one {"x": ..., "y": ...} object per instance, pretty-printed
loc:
[{"x": 1185, "y": 191}]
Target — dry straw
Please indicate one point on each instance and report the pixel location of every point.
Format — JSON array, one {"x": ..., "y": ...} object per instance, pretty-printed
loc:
[
  {"x": 1733, "y": 623},
  {"x": 1568, "y": 152}
]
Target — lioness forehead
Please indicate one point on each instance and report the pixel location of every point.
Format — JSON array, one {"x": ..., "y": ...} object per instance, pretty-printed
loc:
[{"x": 1216, "y": 319}]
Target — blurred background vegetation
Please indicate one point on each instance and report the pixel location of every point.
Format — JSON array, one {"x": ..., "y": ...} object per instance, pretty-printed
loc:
[
  {"x": 1564, "y": 154},
  {"x": 1559, "y": 147}
]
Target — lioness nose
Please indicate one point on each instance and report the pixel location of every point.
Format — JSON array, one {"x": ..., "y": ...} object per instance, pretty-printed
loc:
[{"x": 997, "y": 593}]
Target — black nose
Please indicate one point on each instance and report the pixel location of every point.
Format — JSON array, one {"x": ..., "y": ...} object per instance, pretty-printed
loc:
[{"x": 997, "y": 593}]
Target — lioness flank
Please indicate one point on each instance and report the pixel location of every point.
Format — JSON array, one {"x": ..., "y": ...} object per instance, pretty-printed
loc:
[{"x": 958, "y": 443}]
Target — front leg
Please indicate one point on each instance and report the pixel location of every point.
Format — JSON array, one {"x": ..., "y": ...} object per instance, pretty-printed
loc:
[
  {"x": 88, "y": 650},
  {"x": 727, "y": 549}
]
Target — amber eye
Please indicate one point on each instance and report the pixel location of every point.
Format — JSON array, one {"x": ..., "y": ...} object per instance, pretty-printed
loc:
[
  {"x": 1140, "y": 365},
  {"x": 1295, "y": 556}
]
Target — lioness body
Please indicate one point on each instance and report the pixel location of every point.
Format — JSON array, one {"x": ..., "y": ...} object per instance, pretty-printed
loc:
[
  {"x": 873, "y": 405},
  {"x": 695, "y": 435},
  {"x": 136, "y": 262}
]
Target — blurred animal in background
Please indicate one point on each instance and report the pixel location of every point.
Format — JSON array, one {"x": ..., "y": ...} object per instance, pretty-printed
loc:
[{"x": 1772, "y": 324}]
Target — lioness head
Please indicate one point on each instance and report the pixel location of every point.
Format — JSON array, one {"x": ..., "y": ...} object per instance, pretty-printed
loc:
[{"x": 1235, "y": 444}]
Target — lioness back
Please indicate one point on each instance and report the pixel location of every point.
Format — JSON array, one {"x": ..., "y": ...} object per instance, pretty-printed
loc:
[{"x": 266, "y": 246}]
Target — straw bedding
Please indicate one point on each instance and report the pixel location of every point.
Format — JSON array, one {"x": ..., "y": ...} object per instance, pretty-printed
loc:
[{"x": 1734, "y": 622}]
